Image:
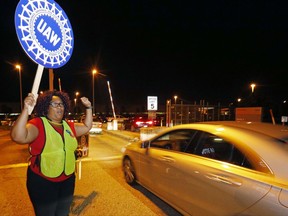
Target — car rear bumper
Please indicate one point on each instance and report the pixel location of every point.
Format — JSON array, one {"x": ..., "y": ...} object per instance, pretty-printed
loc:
[{"x": 95, "y": 131}]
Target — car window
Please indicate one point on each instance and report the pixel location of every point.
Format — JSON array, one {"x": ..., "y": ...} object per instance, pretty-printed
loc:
[
  {"x": 217, "y": 148},
  {"x": 177, "y": 140},
  {"x": 209, "y": 146},
  {"x": 214, "y": 147}
]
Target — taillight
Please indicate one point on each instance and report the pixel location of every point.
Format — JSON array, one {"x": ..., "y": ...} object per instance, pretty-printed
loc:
[
  {"x": 138, "y": 122},
  {"x": 150, "y": 122}
]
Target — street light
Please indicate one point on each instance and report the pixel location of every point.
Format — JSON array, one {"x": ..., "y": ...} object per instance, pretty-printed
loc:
[
  {"x": 20, "y": 84},
  {"x": 168, "y": 113},
  {"x": 175, "y": 97},
  {"x": 94, "y": 71},
  {"x": 253, "y": 85},
  {"x": 75, "y": 100}
]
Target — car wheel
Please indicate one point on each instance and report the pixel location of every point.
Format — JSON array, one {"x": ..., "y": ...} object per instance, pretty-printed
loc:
[
  {"x": 129, "y": 171},
  {"x": 83, "y": 141}
]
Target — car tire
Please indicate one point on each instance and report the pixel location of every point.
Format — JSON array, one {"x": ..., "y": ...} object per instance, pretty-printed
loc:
[
  {"x": 83, "y": 141},
  {"x": 129, "y": 171}
]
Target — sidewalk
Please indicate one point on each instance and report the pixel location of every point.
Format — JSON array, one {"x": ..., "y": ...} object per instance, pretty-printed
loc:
[{"x": 96, "y": 193}]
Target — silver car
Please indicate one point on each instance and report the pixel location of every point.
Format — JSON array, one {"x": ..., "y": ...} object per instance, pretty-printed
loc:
[{"x": 214, "y": 168}]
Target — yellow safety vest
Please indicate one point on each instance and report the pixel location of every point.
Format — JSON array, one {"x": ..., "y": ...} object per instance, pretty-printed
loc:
[{"x": 58, "y": 154}]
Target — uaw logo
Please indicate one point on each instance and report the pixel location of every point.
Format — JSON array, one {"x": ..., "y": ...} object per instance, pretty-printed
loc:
[{"x": 44, "y": 32}]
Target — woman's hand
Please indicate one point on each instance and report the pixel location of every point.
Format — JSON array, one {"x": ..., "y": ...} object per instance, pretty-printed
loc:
[
  {"x": 29, "y": 101},
  {"x": 85, "y": 101},
  {"x": 84, "y": 127}
]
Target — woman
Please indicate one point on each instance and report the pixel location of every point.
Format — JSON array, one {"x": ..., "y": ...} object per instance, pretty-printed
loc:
[{"x": 52, "y": 143}]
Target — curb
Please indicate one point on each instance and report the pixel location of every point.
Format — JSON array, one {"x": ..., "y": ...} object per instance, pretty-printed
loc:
[{"x": 123, "y": 135}]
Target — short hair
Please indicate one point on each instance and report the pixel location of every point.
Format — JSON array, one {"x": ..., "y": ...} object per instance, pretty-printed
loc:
[{"x": 44, "y": 99}]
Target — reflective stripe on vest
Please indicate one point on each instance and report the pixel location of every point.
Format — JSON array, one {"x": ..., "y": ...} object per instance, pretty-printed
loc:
[{"x": 58, "y": 156}]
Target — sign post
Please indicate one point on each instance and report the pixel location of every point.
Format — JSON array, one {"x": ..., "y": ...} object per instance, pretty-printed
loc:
[{"x": 45, "y": 33}]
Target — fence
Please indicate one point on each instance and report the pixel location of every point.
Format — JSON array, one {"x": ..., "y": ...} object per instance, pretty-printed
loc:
[{"x": 189, "y": 113}]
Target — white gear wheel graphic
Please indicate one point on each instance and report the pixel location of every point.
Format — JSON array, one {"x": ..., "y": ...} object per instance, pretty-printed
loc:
[{"x": 33, "y": 11}]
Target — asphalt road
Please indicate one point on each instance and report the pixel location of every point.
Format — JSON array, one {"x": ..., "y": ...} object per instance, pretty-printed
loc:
[{"x": 100, "y": 186}]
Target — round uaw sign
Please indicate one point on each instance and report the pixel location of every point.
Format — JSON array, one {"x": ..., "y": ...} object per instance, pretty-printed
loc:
[{"x": 44, "y": 32}]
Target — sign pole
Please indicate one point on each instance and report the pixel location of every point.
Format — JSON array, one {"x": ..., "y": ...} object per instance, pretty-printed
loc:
[{"x": 36, "y": 84}]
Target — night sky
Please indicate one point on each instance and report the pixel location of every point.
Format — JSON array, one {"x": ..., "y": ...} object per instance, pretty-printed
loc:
[{"x": 211, "y": 50}]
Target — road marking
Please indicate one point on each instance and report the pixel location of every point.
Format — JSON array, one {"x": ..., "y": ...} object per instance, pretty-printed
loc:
[
  {"x": 83, "y": 159},
  {"x": 14, "y": 165},
  {"x": 102, "y": 158}
]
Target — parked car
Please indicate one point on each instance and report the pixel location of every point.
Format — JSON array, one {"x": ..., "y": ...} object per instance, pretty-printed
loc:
[
  {"x": 83, "y": 141},
  {"x": 214, "y": 168},
  {"x": 83, "y": 146}
]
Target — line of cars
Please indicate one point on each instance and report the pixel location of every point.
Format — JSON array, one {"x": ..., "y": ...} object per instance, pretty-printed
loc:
[
  {"x": 214, "y": 168},
  {"x": 136, "y": 122},
  {"x": 133, "y": 123}
]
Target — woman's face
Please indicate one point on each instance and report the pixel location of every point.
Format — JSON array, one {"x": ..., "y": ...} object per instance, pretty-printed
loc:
[{"x": 56, "y": 109}]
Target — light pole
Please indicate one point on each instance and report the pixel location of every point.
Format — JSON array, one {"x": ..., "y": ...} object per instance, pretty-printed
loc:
[
  {"x": 20, "y": 85},
  {"x": 94, "y": 71},
  {"x": 168, "y": 113},
  {"x": 76, "y": 95},
  {"x": 253, "y": 85},
  {"x": 175, "y": 97}
]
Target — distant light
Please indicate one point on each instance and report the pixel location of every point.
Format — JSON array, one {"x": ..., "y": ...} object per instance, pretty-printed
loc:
[{"x": 253, "y": 85}]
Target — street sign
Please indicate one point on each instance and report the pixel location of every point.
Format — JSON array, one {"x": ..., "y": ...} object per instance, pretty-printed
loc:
[
  {"x": 152, "y": 103},
  {"x": 44, "y": 32}
]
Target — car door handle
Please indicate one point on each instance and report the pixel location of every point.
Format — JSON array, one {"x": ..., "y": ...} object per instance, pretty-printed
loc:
[
  {"x": 224, "y": 180},
  {"x": 167, "y": 159}
]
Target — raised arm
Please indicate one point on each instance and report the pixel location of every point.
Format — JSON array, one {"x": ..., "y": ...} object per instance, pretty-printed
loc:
[
  {"x": 85, "y": 126},
  {"x": 22, "y": 132}
]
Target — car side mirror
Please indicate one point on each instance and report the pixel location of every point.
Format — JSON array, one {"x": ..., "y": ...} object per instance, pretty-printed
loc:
[{"x": 144, "y": 144}]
